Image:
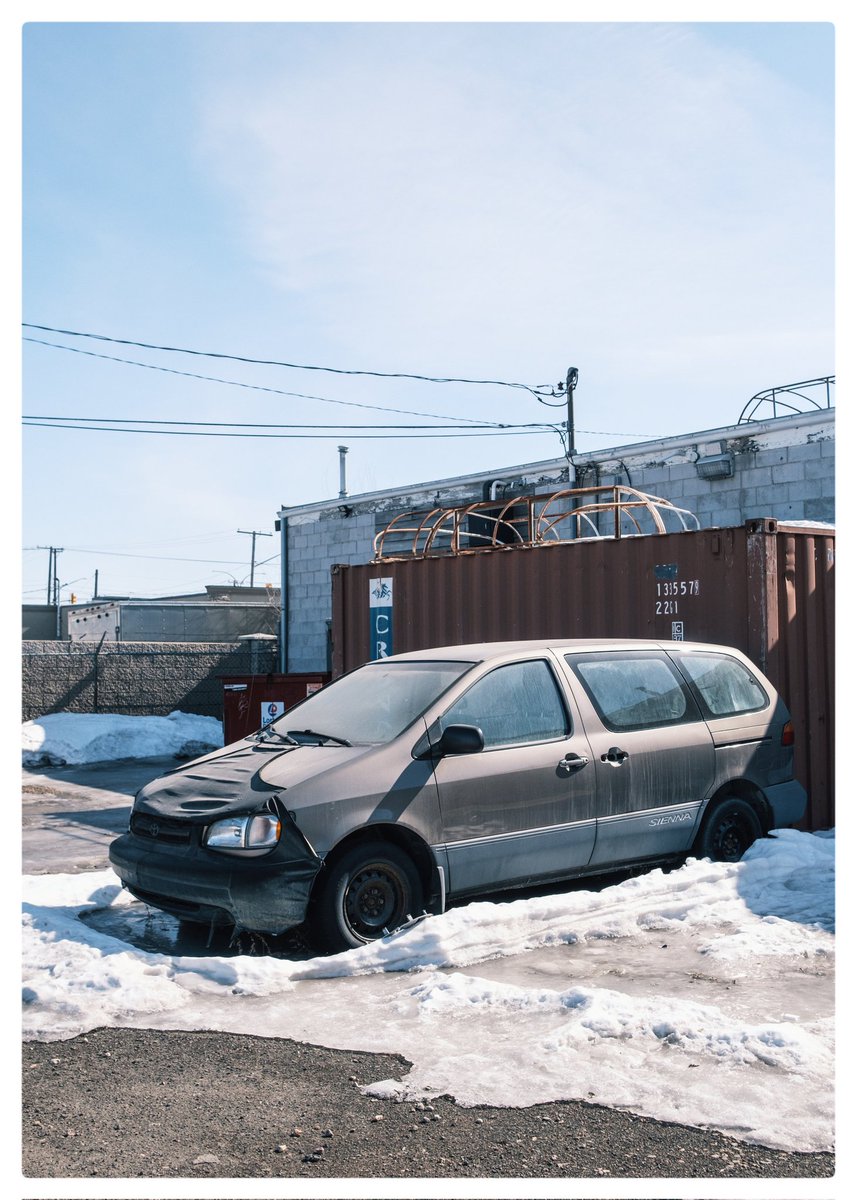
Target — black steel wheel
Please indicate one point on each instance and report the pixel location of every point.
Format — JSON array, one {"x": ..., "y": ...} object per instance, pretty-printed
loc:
[
  {"x": 730, "y": 829},
  {"x": 370, "y": 891}
]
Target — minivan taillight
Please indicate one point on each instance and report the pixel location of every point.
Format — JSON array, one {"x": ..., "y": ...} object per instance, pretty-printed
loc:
[{"x": 788, "y": 738}]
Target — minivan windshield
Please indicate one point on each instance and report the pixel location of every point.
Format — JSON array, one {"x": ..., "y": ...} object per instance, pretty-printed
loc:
[{"x": 373, "y": 704}]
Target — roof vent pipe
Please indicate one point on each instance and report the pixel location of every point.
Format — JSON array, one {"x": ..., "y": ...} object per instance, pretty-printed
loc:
[
  {"x": 343, "y": 491},
  {"x": 492, "y": 491}
]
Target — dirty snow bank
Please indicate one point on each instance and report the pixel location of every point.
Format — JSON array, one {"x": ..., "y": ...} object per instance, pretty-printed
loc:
[{"x": 61, "y": 739}]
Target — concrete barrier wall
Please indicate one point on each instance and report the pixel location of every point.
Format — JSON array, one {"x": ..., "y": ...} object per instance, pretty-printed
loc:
[{"x": 133, "y": 678}]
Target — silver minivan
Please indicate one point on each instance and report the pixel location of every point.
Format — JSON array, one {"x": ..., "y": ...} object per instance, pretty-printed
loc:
[{"x": 460, "y": 770}]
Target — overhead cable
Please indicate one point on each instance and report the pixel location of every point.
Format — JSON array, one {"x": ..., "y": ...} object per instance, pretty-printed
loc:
[
  {"x": 226, "y": 562},
  {"x": 536, "y": 390},
  {"x": 254, "y": 387},
  {"x": 270, "y": 424},
  {"x": 61, "y": 423}
]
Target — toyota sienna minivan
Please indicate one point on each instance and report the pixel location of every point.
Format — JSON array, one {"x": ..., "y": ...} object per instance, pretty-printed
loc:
[{"x": 463, "y": 770}]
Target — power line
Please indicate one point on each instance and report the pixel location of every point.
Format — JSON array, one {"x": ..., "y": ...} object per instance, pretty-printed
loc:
[
  {"x": 272, "y": 424},
  {"x": 540, "y": 391},
  {"x": 536, "y": 390},
  {"x": 228, "y": 562},
  {"x": 490, "y": 432},
  {"x": 250, "y": 386}
]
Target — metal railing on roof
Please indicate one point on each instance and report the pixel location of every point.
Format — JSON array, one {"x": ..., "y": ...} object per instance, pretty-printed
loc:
[
  {"x": 809, "y": 395},
  {"x": 525, "y": 521}
]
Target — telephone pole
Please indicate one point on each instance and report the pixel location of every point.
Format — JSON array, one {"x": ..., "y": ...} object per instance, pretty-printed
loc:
[
  {"x": 53, "y": 575},
  {"x": 253, "y": 533},
  {"x": 570, "y": 385},
  {"x": 571, "y": 450}
]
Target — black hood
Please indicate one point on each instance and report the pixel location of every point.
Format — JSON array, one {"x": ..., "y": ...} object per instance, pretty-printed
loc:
[{"x": 226, "y": 782}]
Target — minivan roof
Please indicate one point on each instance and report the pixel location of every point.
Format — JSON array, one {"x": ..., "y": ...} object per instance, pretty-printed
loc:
[{"x": 481, "y": 651}]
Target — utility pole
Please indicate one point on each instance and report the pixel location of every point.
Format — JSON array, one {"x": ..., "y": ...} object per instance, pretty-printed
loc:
[
  {"x": 571, "y": 450},
  {"x": 53, "y": 574},
  {"x": 253, "y": 533},
  {"x": 570, "y": 385}
]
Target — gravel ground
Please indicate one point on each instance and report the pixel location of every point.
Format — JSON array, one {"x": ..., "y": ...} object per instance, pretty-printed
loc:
[{"x": 121, "y": 1103}]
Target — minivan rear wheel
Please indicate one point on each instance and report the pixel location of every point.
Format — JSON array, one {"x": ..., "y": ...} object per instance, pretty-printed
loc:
[
  {"x": 372, "y": 890},
  {"x": 730, "y": 829}
]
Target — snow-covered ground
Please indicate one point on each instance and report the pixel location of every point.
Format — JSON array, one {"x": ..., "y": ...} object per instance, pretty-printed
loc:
[{"x": 702, "y": 996}]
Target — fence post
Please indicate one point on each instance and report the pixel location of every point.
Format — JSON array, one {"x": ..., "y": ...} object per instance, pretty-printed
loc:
[{"x": 95, "y": 681}]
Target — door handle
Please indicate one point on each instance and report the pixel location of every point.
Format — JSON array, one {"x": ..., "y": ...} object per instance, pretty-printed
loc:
[
  {"x": 572, "y": 762},
  {"x": 615, "y": 756}
]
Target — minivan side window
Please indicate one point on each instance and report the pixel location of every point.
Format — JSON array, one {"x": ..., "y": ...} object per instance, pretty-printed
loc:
[
  {"x": 519, "y": 702},
  {"x": 634, "y": 691},
  {"x": 724, "y": 685}
]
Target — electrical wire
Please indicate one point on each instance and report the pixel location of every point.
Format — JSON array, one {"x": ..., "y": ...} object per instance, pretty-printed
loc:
[
  {"x": 536, "y": 390},
  {"x": 253, "y": 386},
  {"x": 269, "y": 424},
  {"x": 226, "y": 562},
  {"x": 492, "y": 432}
]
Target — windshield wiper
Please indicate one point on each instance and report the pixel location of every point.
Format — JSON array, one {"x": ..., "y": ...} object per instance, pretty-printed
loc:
[
  {"x": 322, "y": 737},
  {"x": 269, "y": 732}
]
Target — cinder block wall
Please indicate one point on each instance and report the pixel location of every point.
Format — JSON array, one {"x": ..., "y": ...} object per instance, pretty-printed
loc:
[
  {"x": 789, "y": 483},
  {"x": 133, "y": 678},
  {"x": 313, "y": 546}
]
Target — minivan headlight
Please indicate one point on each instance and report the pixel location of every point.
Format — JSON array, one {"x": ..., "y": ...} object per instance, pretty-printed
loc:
[{"x": 258, "y": 832}]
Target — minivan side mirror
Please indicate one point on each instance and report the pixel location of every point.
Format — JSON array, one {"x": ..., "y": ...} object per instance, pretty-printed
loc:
[{"x": 460, "y": 739}]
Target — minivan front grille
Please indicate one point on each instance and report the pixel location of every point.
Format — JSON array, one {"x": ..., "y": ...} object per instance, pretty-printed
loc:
[{"x": 161, "y": 829}]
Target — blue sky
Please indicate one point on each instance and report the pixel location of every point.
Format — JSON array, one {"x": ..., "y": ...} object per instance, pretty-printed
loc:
[{"x": 649, "y": 202}]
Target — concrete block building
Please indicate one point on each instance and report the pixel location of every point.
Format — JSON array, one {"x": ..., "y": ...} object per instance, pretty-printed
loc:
[{"x": 781, "y": 468}]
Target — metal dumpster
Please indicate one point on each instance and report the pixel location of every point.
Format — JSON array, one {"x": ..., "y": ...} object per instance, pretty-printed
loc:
[{"x": 251, "y": 701}]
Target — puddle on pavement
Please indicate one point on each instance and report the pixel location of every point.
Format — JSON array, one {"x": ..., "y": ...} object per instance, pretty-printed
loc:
[
  {"x": 655, "y": 964},
  {"x": 156, "y": 932}
]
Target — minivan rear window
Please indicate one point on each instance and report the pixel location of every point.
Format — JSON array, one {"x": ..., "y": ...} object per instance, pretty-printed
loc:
[
  {"x": 724, "y": 685},
  {"x": 634, "y": 691}
]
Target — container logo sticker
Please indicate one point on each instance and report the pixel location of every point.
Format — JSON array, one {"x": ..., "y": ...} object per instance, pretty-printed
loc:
[
  {"x": 271, "y": 709},
  {"x": 380, "y": 617}
]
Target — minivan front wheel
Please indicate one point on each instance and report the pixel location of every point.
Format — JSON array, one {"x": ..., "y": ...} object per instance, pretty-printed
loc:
[
  {"x": 730, "y": 829},
  {"x": 372, "y": 890}
]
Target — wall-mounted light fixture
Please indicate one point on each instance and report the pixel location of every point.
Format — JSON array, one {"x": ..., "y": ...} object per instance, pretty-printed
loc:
[{"x": 716, "y": 466}]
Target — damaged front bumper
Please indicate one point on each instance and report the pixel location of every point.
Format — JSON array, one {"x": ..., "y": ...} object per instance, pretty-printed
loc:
[{"x": 166, "y": 865}]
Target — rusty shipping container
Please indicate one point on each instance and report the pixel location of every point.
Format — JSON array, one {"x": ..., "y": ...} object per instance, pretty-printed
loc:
[{"x": 766, "y": 588}]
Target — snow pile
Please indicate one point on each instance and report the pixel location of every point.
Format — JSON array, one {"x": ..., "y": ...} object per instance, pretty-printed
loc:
[
  {"x": 702, "y": 996},
  {"x": 73, "y": 738}
]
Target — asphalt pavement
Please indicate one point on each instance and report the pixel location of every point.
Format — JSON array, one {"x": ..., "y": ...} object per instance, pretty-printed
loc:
[
  {"x": 130, "y": 1104},
  {"x": 70, "y": 815}
]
